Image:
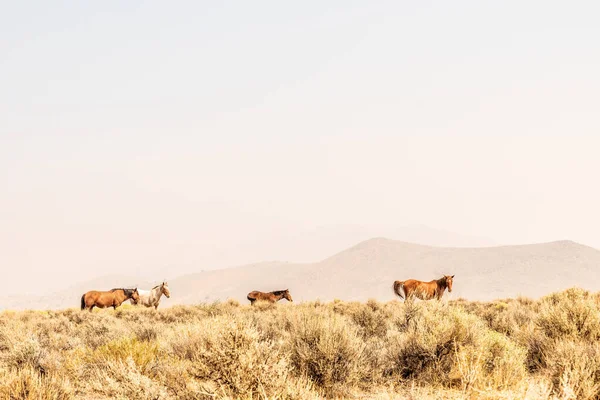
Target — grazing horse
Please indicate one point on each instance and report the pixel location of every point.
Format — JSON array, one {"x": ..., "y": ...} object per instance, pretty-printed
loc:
[
  {"x": 151, "y": 298},
  {"x": 271, "y": 297},
  {"x": 113, "y": 298},
  {"x": 423, "y": 290}
]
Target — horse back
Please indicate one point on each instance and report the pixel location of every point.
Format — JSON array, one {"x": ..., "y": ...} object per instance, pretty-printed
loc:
[
  {"x": 419, "y": 288},
  {"x": 256, "y": 295}
]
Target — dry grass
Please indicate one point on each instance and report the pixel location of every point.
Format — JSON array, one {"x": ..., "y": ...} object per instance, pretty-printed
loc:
[{"x": 510, "y": 349}]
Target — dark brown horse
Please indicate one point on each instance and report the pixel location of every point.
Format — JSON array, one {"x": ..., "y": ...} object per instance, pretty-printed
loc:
[
  {"x": 113, "y": 298},
  {"x": 271, "y": 297},
  {"x": 423, "y": 290}
]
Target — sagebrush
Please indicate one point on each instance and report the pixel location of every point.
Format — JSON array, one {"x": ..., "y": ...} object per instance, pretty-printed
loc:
[{"x": 514, "y": 348}]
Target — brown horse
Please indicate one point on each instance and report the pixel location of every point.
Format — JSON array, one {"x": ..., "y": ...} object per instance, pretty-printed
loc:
[
  {"x": 271, "y": 297},
  {"x": 423, "y": 290},
  {"x": 113, "y": 298}
]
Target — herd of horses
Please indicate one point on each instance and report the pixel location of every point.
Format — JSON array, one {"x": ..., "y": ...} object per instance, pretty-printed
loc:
[{"x": 407, "y": 290}]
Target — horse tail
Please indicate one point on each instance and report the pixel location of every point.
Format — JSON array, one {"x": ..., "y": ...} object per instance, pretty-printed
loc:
[
  {"x": 83, "y": 302},
  {"x": 397, "y": 286}
]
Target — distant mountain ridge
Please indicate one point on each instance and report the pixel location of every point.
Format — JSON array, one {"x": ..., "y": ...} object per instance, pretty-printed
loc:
[{"x": 367, "y": 270}]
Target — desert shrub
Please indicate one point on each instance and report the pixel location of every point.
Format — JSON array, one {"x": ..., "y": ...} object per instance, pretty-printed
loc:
[
  {"x": 232, "y": 303},
  {"x": 572, "y": 314},
  {"x": 146, "y": 332},
  {"x": 174, "y": 376},
  {"x": 27, "y": 383},
  {"x": 371, "y": 318},
  {"x": 447, "y": 346},
  {"x": 141, "y": 353},
  {"x": 231, "y": 354},
  {"x": 328, "y": 350},
  {"x": 261, "y": 305},
  {"x": 7, "y": 333},
  {"x": 123, "y": 380},
  {"x": 184, "y": 314},
  {"x": 537, "y": 344},
  {"x": 494, "y": 363},
  {"x": 512, "y": 348},
  {"x": 272, "y": 325},
  {"x": 574, "y": 369},
  {"x": 99, "y": 328},
  {"x": 428, "y": 338},
  {"x": 507, "y": 317},
  {"x": 25, "y": 353}
]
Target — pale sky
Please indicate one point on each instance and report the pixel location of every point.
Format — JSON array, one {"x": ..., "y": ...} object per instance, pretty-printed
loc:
[{"x": 161, "y": 138}]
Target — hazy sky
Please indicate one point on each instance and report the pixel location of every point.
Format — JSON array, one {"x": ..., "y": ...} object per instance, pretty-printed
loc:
[{"x": 174, "y": 137}]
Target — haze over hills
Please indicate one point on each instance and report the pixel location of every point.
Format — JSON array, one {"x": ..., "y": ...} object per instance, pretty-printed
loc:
[
  {"x": 56, "y": 266},
  {"x": 368, "y": 269}
]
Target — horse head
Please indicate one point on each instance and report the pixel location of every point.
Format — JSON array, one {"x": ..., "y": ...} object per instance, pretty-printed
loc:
[
  {"x": 287, "y": 295},
  {"x": 135, "y": 296},
  {"x": 449, "y": 282},
  {"x": 165, "y": 289}
]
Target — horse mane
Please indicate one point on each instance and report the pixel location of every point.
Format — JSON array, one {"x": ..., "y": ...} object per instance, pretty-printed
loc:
[
  {"x": 278, "y": 292},
  {"x": 127, "y": 292},
  {"x": 442, "y": 282}
]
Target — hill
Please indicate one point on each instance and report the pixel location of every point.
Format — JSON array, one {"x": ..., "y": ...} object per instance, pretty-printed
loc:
[{"x": 368, "y": 269}]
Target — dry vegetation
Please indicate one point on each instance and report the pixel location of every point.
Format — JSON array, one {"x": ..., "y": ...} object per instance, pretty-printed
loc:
[{"x": 510, "y": 349}]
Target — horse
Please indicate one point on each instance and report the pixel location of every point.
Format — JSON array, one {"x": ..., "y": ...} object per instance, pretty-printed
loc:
[
  {"x": 151, "y": 298},
  {"x": 113, "y": 298},
  {"x": 271, "y": 297},
  {"x": 423, "y": 290}
]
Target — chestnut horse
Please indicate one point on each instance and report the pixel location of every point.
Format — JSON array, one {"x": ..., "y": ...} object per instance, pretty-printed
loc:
[
  {"x": 423, "y": 290},
  {"x": 113, "y": 298},
  {"x": 271, "y": 297}
]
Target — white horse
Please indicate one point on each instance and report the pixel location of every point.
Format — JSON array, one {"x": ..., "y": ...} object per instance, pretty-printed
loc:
[{"x": 151, "y": 298}]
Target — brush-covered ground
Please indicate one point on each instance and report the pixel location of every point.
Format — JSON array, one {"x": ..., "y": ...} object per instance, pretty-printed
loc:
[{"x": 511, "y": 349}]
